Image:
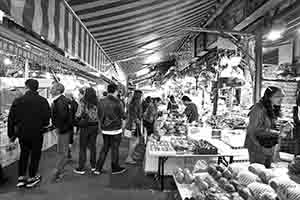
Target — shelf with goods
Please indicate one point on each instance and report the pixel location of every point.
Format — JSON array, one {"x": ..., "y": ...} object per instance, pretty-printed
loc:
[{"x": 236, "y": 182}]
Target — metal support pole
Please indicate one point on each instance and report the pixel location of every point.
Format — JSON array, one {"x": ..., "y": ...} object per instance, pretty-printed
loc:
[
  {"x": 258, "y": 67},
  {"x": 26, "y": 71}
]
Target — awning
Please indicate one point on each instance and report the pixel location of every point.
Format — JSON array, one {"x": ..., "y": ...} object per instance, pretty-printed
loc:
[{"x": 55, "y": 22}]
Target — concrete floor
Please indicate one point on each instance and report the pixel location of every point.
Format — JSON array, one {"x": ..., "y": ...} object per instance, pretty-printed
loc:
[{"x": 133, "y": 184}]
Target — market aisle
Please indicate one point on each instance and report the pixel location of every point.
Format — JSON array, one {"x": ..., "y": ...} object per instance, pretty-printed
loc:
[{"x": 132, "y": 183}]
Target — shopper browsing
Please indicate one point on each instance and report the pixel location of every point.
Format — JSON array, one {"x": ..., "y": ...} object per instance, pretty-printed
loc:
[
  {"x": 112, "y": 120},
  {"x": 3, "y": 179},
  {"x": 74, "y": 107},
  {"x": 191, "y": 110},
  {"x": 296, "y": 116},
  {"x": 62, "y": 120},
  {"x": 172, "y": 105},
  {"x": 88, "y": 123},
  {"x": 28, "y": 115},
  {"x": 151, "y": 115},
  {"x": 261, "y": 135},
  {"x": 134, "y": 119}
]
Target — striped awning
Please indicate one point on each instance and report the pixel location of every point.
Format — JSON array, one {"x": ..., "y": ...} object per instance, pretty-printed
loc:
[
  {"x": 132, "y": 29},
  {"x": 56, "y": 22}
]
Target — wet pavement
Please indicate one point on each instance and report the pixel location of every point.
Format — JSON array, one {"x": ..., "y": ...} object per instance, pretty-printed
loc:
[{"x": 134, "y": 184}]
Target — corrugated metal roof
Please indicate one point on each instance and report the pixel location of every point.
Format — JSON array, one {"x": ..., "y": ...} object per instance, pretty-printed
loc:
[{"x": 132, "y": 28}]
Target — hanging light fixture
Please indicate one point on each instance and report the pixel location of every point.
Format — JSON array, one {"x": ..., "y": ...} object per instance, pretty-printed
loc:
[{"x": 277, "y": 30}]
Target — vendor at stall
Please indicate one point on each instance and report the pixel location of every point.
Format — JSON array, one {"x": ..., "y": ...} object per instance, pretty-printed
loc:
[
  {"x": 172, "y": 105},
  {"x": 261, "y": 135},
  {"x": 191, "y": 110}
]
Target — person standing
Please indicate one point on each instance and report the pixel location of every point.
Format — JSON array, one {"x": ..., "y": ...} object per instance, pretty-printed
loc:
[
  {"x": 62, "y": 121},
  {"x": 191, "y": 110},
  {"x": 134, "y": 120},
  {"x": 151, "y": 115},
  {"x": 296, "y": 116},
  {"x": 172, "y": 105},
  {"x": 262, "y": 137},
  {"x": 28, "y": 116},
  {"x": 112, "y": 120},
  {"x": 74, "y": 107},
  {"x": 88, "y": 123}
]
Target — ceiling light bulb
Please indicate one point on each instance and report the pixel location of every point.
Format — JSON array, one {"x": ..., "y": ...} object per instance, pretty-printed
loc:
[
  {"x": 275, "y": 35},
  {"x": 7, "y": 61}
]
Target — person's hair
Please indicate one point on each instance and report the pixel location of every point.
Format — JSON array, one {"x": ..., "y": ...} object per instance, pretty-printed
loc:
[
  {"x": 136, "y": 98},
  {"x": 32, "y": 85},
  {"x": 148, "y": 99},
  {"x": 82, "y": 91},
  {"x": 90, "y": 97},
  {"x": 272, "y": 111},
  {"x": 112, "y": 88},
  {"x": 186, "y": 98},
  {"x": 156, "y": 99},
  {"x": 172, "y": 99},
  {"x": 59, "y": 87}
]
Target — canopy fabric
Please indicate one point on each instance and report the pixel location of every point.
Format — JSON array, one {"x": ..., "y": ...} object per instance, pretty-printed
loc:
[
  {"x": 56, "y": 22},
  {"x": 134, "y": 29}
]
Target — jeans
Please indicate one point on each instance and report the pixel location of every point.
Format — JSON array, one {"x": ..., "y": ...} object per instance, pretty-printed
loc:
[
  {"x": 1, "y": 173},
  {"x": 62, "y": 150},
  {"x": 30, "y": 148},
  {"x": 87, "y": 139},
  {"x": 110, "y": 142}
]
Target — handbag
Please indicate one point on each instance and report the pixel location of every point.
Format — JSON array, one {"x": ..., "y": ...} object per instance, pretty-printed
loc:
[{"x": 83, "y": 121}]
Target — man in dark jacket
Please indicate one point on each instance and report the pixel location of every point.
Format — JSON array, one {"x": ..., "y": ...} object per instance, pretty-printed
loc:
[
  {"x": 111, "y": 115},
  {"x": 63, "y": 122},
  {"x": 28, "y": 116}
]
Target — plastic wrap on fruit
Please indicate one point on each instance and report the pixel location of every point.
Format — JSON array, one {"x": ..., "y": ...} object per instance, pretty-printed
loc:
[
  {"x": 221, "y": 168},
  {"x": 188, "y": 176},
  {"x": 201, "y": 184},
  {"x": 258, "y": 189},
  {"x": 246, "y": 177},
  {"x": 281, "y": 184},
  {"x": 212, "y": 170},
  {"x": 200, "y": 166},
  {"x": 227, "y": 174},
  {"x": 256, "y": 168},
  {"x": 268, "y": 196},
  {"x": 236, "y": 168},
  {"x": 293, "y": 193}
]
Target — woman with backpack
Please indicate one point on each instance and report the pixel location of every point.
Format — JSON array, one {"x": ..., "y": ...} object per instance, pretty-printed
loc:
[
  {"x": 134, "y": 119},
  {"x": 87, "y": 122}
]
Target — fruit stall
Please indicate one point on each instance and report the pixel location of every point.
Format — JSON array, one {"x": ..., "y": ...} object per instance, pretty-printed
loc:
[{"x": 236, "y": 182}]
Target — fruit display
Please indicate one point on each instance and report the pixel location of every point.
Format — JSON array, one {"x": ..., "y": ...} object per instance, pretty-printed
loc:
[
  {"x": 226, "y": 121},
  {"x": 204, "y": 147},
  {"x": 184, "y": 176},
  {"x": 294, "y": 166},
  {"x": 176, "y": 127},
  {"x": 182, "y": 144},
  {"x": 161, "y": 147}
]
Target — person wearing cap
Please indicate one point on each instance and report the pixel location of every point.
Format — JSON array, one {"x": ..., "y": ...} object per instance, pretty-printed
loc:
[
  {"x": 28, "y": 116},
  {"x": 62, "y": 120}
]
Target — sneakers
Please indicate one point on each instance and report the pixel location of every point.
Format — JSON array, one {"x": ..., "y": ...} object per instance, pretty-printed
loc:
[
  {"x": 93, "y": 169},
  {"x": 118, "y": 170},
  {"x": 21, "y": 182},
  {"x": 31, "y": 182},
  {"x": 79, "y": 171}
]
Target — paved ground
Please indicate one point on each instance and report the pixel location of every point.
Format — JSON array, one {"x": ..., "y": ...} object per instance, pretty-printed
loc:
[{"x": 133, "y": 184}]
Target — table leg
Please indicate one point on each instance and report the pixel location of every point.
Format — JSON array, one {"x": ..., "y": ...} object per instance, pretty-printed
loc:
[
  {"x": 230, "y": 159},
  {"x": 219, "y": 160},
  {"x": 162, "y": 174}
]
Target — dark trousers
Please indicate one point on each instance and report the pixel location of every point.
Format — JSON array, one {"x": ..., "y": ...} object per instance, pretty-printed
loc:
[
  {"x": 1, "y": 173},
  {"x": 87, "y": 139},
  {"x": 30, "y": 148},
  {"x": 110, "y": 142},
  {"x": 149, "y": 127}
]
